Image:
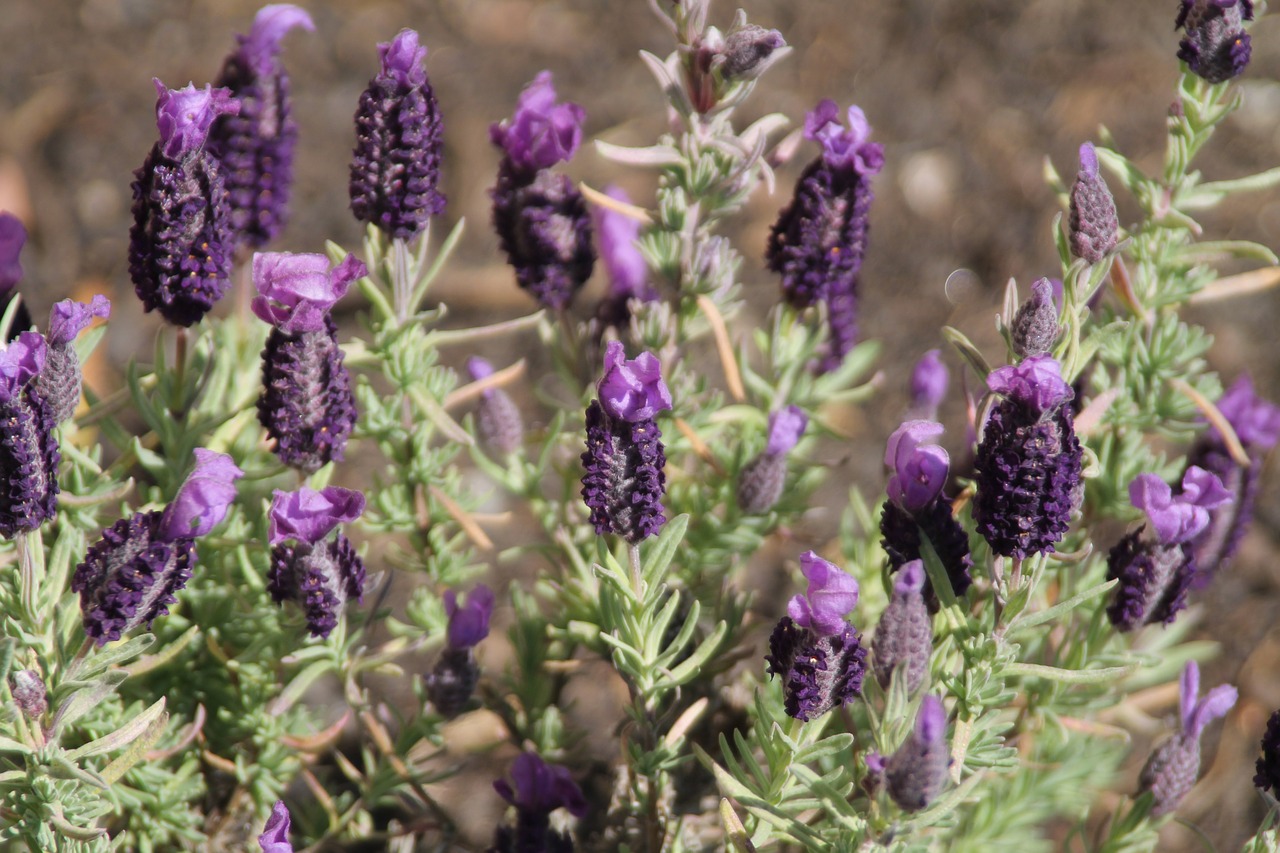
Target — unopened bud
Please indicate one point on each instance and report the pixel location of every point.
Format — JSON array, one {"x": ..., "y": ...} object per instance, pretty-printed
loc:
[{"x": 29, "y": 692}]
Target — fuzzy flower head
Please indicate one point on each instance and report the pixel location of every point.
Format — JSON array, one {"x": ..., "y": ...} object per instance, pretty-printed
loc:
[
  {"x": 184, "y": 116},
  {"x": 261, "y": 46},
  {"x": 844, "y": 147},
  {"x": 275, "y": 835},
  {"x": 831, "y": 596},
  {"x": 1092, "y": 225},
  {"x": 1178, "y": 518},
  {"x": 786, "y": 426},
  {"x": 203, "y": 500},
  {"x": 541, "y": 132},
  {"x": 1215, "y": 45},
  {"x": 538, "y": 788},
  {"x": 1035, "y": 383},
  {"x": 297, "y": 291},
  {"x": 1255, "y": 420},
  {"x": 1035, "y": 326},
  {"x": 929, "y": 380},
  {"x": 919, "y": 468},
  {"x": 917, "y": 772},
  {"x": 20, "y": 360},
  {"x": 469, "y": 622},
  {"x": 617, "y": 232},
  {"x": 13, "y": 236},
  {"x": 632, "y": 390},
  {"x": 309, "y": 516},
  {"x": 69, "y": 318}
]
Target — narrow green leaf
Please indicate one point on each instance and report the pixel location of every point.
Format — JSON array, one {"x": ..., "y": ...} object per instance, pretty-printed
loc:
[
  {"x": 1068, "y": 676},
  {"x": 122, "y": 736},
  {"x": 8, "y": 744},
  {"x": 659, "y": 556},
  {"x": 1051, "y": 614},
  {"x": 131, "y": 756},
  {"x": 687, "y": 670},
  {"x": 967, "y": 350}
]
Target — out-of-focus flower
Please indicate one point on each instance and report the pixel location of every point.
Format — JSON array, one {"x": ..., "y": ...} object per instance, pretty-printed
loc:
[
  {"x": 761, "y": 481},
  {"x": 453, "y": 680},
  {"x": 536, "y": 790},
  {"x": 61, "y": 379}
]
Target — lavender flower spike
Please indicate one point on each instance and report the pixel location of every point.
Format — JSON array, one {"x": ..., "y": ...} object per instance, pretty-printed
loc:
[
  {"x": 61, "y": 379},
  {"x": 624, "y": 480},
  {"x": 13, "y": 236},
  {"x": 132, "y": 574},
  {"x": 255, "y": 146},
  {"x": 275, "y": 835},
  {"x": 454, "y": 678},
  {"x": 498, "y": 419},
  {"x": 917, "y": 772},
  {"x": 1172, "y": 769},
  {"x": 1215, "y": 45},
  {"x": 181, "y": 242},
  {"x": 904, "y": 637},
  {"x": 29, "y": 452},
  {"x": 395, "y": 168},
  {"x": 1267, "y": 767},
  {"x": 1092, "y": 225},
  {"x": 536, "y": 790},
  {"x": 307, "y": 404},
  {"x": 818, "y": 655},
  {"x": 761, "y": 481}
]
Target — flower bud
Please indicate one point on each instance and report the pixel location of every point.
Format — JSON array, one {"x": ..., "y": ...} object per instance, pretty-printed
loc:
[
  {"x": 904, "y": 637},
  {"x": 1172, "y": 769},
  {"x": 761, "y": 481},
  {"x": 29, "y": 693},
  {"x": 61, "y": 379},
  {"x": 749, "y": 51},
  {"x": 917, "y": 772},
  {"x": 1035, "y": 326},
  {"x": 498, "y": 420},
  {"x": 1091, "y": 219}
]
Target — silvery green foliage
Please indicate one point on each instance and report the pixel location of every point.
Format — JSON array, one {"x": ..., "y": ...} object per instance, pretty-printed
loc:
[{"x": 185, "y": 736}]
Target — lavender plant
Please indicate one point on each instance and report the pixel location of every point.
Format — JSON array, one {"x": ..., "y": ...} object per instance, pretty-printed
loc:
[{"x": 259, "y": 653}]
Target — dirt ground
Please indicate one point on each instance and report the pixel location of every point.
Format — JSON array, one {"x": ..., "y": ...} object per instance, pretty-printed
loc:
[{"x": 968, "y": 97}]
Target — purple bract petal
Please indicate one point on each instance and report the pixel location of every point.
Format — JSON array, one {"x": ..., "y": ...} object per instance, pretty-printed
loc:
[
  {"x": 20, "y": 360},
  {"x": 69, "y": 318},
  {"x": 13, "y": 236},
  {"x": 628, "y": 272},
  {"x": 929, "y": 381},
  {"x": 469, "y": 624},
  {"x": 309, "y": 515},
  {"x": 203, "y": 500},
  {"x": 931, "y": 721},
  {"x": 184, "y": 116},
  {"x": 1255, "y": 420},
  {"x": 541, "y": 132},
  {"x": 1088, "y": 160},
  {"x": 1035, "y": 382},
  {"x": 844, "y": 148},
  {"x": 402, "y": 59},
  {"x": 1204, "y": 489},
  {"x": 275, "y": 835},
  {"x": 269, "y": 27},
  {"x": 297, "y": 291},
  {"x": 832, "y": 595},
  {"x": 910, "y": 578},
  {"x": 540, "y": 788},
  {"x": 785, "y": 428},
  {"x": 479, "y": 368},
  {"x": 1197, "y": 713},
  {"x": 632, "y": 389},
  {"x": 919, "y": 469},
  {"x": 1178, "y": 518}
]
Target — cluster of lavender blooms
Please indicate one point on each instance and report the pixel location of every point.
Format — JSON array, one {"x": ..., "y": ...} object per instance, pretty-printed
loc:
[{"x": 646, "y": 558}]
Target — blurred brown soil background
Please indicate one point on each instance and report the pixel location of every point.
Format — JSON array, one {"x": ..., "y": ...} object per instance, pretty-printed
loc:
[{"x": 968, "y": 97}]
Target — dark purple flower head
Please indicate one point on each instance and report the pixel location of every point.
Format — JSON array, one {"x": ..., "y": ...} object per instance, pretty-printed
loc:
[
  {"x": 917, "y": 772},
  {"x": 1215, "y": 45},
  {"x": 262, "y": 45},
  {"x": 1153, "y": 581},
  {"x": 929, "y": 380},
  {"x": 1172, "y": 769},
  {"x": 1035, "y": 383},
  {"x": 785, "y": 428},
  {"x": 617, "y": 232},
  {"x": 831, "y": 596},
  {"x": 402, "y": 59},
  {"x": 632, "y": 390},
  {"x": 203, "y": 500},
  {"x": 844, "y": 147},
  {"x": 1035, "y": 326},
  {"x": 538, "y": 788},
  {"x": 184, "y": 116},
  {"x": 297, "y": 291},
  {"x": 1092, "y": 225},
  {"x": 469, "y": 623},
  {"x": 623, "y": 481},
  {"x": 1178, "y": 518},
  {"x": 919, "y": 469},
  {"x": 20, "y": 361},
  {"x": 309, "y": 516},
  {"x": 69, "y": 318},
  {"x": 1267, "y": 777},
  {"x": 541, "y": 132},
  {"x": 904, "y": 636},
  {"x": 903, "y": 531},
  {"x": 13, "y": 236},
  {"x": 275, "y": 835},
  {"x": 1256, "y": 421}
]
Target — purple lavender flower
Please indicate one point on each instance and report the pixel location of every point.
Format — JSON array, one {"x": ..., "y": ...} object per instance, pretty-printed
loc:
[
  {"x": 818, "y": 655},
  {"x": 130, "y": 576},
  {"x": 1215, "y": 45},
  {"x": 307, "y": 404},
  {"x": 13, "y": 236},
  {"x": 917, "y": 509},
  {"x": 1257, "y": 424},
  {"x": 454, "y": 678},
  {"x": 395, "y": 168},
  {"x": 541, "y": 218},
  {"x": 318, "y": 571},
  {"x": 1267, "y": 777},
  {"x": 181, "y": 242},
  {"x": 761, "y": 481},
  {"x": 1155, "y": 574},
  {"x": 1092, "y": 225},
  {"x": 904, "y": 637},
  {"x": 275, "y": 835},
  {"x": 1171, "y": 770},
  {"x": 624, "y": 480},
  {"x": 255, "y": 146},
  {"x": 626, "y": 266},
  {"x": 1035, "y": 326},
  {"x": 929, "y": 381},
  {"x": 29, "y": 693},
  {"x": 29, "y": 452},
  {"x": 819, "y": 239},
  {"x": 498, "y": 419},
  {"x": 917, "y": 772},
  {"x": 749, "y": 51},
  {"x": 61, "y": 379},
  {"x": 1029, "y": 460},
  {"x": 536, "y": 790}
]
